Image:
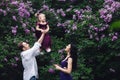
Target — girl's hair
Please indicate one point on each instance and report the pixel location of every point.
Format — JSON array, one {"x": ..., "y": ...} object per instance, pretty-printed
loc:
[
  {"x": 73, "y": 52},
  {"x": 40, "y": 14}
]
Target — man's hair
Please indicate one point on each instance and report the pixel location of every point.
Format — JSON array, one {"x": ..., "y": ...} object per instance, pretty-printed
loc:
[{"x": 20, "y": 45}]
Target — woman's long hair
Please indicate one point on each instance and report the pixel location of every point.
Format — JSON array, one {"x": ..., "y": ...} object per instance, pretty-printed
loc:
[{"x": 73, "y": 53}]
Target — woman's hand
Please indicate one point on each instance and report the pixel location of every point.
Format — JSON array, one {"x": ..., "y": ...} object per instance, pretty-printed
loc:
[{"x": 57, "y": 66}]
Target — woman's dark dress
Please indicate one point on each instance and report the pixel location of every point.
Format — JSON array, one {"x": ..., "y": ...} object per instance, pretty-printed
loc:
[
  {"x": 47, "y": 39},
  {"x": 65, "y": 76}
]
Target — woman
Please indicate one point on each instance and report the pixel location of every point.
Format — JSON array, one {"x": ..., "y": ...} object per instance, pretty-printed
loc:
[{"x": 68, "y": 64}]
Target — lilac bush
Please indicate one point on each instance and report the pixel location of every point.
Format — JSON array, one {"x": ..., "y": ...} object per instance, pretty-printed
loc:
[
  {"x": 18, "y": 11},
  {"x": 72, "y": 20}
]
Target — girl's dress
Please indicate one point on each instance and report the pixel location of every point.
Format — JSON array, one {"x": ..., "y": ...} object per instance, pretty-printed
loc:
[
  {"x": 65, "y": 76},
  {"x": 46, "y": 43}
]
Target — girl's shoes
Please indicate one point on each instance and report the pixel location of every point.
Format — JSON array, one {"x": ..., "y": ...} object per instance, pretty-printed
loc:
[{"x": 48, "y": 50}]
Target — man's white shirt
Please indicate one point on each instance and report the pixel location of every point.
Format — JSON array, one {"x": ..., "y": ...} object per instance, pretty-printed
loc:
[{"x": 29, "y": 61}]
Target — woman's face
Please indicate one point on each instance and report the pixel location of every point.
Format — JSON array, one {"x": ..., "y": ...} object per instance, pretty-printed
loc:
[{"x": 68, "y": 47}]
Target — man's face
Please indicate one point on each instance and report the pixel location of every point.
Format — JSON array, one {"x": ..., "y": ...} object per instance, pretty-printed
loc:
[{"x": 25, "y": 45}]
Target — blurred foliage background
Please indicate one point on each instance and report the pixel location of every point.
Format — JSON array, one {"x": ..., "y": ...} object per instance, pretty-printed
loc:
[{"x": 93, "y": 25}]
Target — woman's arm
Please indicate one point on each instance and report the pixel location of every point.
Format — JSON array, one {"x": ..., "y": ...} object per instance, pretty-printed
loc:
[{"x": 66, "y": 70}]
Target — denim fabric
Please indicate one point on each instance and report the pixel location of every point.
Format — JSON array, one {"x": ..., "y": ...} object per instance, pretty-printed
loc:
[{"x": 33, "y": 78}]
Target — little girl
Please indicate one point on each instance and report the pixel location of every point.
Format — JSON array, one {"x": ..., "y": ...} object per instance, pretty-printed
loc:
[{"x": 43, "y": 25}]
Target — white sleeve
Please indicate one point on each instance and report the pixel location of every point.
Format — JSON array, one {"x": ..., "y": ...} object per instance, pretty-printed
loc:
[
  {"x": 36, "y": 47},
  {"x": 38, "y": 52}
]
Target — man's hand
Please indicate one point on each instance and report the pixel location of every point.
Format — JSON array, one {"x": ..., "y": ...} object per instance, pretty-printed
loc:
[{"x": 44, "y": 31}]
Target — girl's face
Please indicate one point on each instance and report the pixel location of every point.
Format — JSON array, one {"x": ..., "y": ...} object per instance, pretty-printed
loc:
[
  {"x": 41, "y": 17},
  {"x": 68, "y": 47}
]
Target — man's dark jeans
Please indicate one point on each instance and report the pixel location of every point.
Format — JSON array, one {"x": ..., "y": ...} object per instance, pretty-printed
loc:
[{"x": 33, "y": 78}]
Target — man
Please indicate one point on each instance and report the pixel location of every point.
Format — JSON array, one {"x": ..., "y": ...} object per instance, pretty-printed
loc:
[{"x": 28, "y": 58}]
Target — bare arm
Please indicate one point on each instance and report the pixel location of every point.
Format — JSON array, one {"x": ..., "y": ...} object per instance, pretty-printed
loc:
[
  {"x": 37, "y": 28},
  {"x": 47, "y": 28},
  {"x": 41, "y": 37},
  {"x": 66, "y": 70}
]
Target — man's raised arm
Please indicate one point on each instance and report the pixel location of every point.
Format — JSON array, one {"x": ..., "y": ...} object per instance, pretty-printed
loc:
[{"x": 41, "y": 37}]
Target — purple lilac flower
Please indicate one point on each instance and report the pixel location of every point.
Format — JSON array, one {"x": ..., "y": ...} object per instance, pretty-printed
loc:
[
  {"x": 24, "y": 25},
  {"x": 27, "y": 31},
  {"x": 80, "y": 17},
  {"x": 14, "y": 30},
  {"x": 108, "y": 1},
  {"x": 68, "y": 31},
  {"x": 91, "y": 36},
  {"x": 88, "y": 8},
  {"x": 22, "y": 5},
  {"x": 110, "y": 6},
  {"x": 74, "y": 27},
  {"x": 63, "y": 24},
  {"x": 14, "y": 3},
  {"x": 69, "y": 9},
  {"x": 1, "y": 10},
  {"x": 5, "y": 59},
  {"x": 112, "y": 70},
  {"x": 74, "y": 17},
  {"x": 14, "y": 18},
  {"x": 116, "y": 34},
  {"x": 66, "y": 23},
  {"x": 117, "y": 5},
  {"x": 45, "y": 7},
  {"x": 114, "y": 38},
  {"x": 73, "y": 0},
  {"x": 5, "y": 13},
  {"x": 97, "y": 38},
  {"x": 60, "y": 11},
  {"x": 62, "y": 0},
  {"x": 8, "y": 9},
  {"x": 63, "y": 14},
  {"x": 16, "y": 58},
  {"x": 89, "y": 31},
  {"x": 34, "y": 35},
  {"x": 52, "y": 10},
  {"x": 101, "y": 29},
  {"x": 33, "y": 29},
  {"x": 77, "y": 12},
  {"x": 91, "y": 26},
  {"x": 102, "y": 36},
  {"x": 14, "y": 65},
  {"x": 95, "y": 28},
  {"x": 58, "y": 24},
  {"x": 51, "y": 70},
  {"x": 95, "y": 34},
  {"x": 22, "y": 11},
  {"x": 108, "y": 18},
  {"x": 103, "y": 11}
]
